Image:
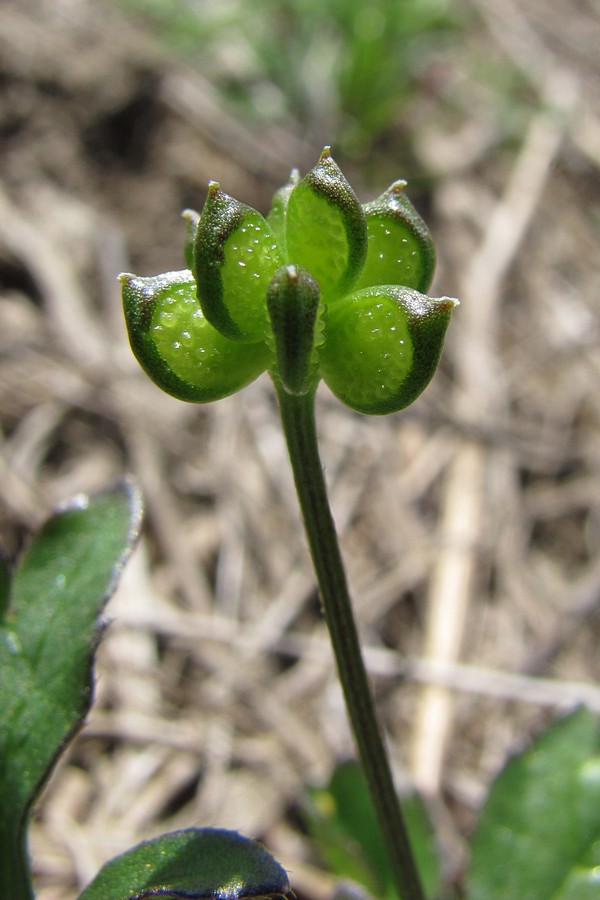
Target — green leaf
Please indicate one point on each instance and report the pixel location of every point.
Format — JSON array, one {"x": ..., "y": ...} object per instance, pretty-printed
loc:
[
  {"x": 177, "y": 347},
  {"x": 235, "y": 257},
  {"x": 197, "y": 864},
  {"x": 383, "y": 346},
  {"x": 47, "y": 644},
  {"x": 326, "y": 228},
  {"x": 401, "y": 249},
  {"x": 539, "y": 833},
  {"x": 423, "y": 842},
  {"x": 342, "y": 821},
  {"x": 338, "y": 849}
]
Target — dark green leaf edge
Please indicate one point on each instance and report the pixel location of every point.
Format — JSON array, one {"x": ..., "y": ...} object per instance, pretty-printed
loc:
[
  {"x": 150, "y": 861},
  {"x": 130, "y": 488},
  {"x": 135, "y": 503}
]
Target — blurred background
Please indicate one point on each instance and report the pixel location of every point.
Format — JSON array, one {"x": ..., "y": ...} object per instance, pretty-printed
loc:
[{"x": 470, "y": 523}]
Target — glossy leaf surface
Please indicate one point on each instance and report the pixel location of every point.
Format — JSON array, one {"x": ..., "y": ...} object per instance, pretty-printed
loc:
[
  {"x": 196, "y": 864},
  {"x": 47, "y": 641},
  {"x": 539, "y": 832}
]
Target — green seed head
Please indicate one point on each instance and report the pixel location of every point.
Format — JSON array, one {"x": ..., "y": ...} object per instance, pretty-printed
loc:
[
  {"x": 278, "y": 215},
  {"x": 321, "y": 288}
]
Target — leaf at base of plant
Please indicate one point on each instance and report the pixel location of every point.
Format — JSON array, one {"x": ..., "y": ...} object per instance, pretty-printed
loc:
[
  {"x": 342, "y": 822},
  {"x": 48, "y": 635},
  {"x": 539, "y": 833},
  {"x": 195, "y": 864}
]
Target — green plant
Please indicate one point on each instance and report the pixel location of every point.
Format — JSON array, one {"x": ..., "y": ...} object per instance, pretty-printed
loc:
[
  {"x": 325, "y": 59},
  {"x": 538, "y": 832},
  {"x": 322, "y": 288},
  {"x": 50, "y": 625},
  {"x": 312, "y": 60},
  {"x": 325, "y": 288}
]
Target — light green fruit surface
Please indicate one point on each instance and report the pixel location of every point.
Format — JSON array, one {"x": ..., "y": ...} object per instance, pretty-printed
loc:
[
  {"x": 251, "y": 257},
  {"x": 309, "y": 217},
  {"x": 278, "y": 213},
  {"x": 368, "y": 353},
  {"x": 195, "y": 351},
  {"x": 394, "y": 255},
  {"x": 178, "y": 347}
]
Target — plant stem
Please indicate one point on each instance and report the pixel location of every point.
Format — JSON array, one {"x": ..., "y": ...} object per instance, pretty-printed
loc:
[{"x": 298, "y": 418}]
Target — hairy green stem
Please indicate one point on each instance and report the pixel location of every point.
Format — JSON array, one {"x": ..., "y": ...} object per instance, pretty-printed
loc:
[{"x": 298, "y": 418}]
